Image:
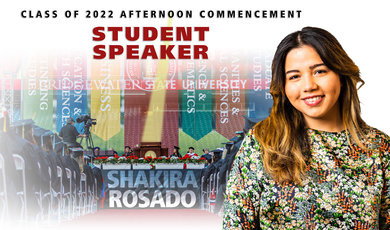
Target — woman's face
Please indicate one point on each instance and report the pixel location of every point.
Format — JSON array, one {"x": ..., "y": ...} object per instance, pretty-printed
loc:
[{"x": 311, "y": 87}]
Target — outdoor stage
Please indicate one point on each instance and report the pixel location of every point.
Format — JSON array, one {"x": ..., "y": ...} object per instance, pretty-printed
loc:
[{"x": 161, "y": 219}]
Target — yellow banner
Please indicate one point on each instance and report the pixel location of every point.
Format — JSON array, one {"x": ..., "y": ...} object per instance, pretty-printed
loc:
[{"x": 105, "y": 97}]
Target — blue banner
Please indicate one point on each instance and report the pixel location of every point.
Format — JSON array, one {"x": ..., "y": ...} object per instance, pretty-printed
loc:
[
  {"x": 259, "y": 74},
  {"x": 72, "y": 95}
]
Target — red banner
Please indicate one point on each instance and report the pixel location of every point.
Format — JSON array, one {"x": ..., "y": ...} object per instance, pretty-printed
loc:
[
  {"x": 171, "y": 111},
  {"x": 230, "y": 100}
]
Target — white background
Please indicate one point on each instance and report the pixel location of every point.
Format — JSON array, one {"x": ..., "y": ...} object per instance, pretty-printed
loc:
[{"x": 362, "y": 27}]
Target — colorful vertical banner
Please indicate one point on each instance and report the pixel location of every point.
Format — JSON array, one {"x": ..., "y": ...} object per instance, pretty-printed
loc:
[
  {"x": 230, "y": 95},
  {"x": 171, "y": 110},
  {"x": 10, "y": 86},
  {"x": 154, "y": 121},
  {"x": 196, "y": 99},
  {"x": 72, "y": 95},
  {"x": 137, "y": 98},
  {"x": 203, "y": 97},
  {"x": 141, "y": 81},
  {"x": 106, "y": 101},
  {"x": 188, "y": 97},
  {"x": 177, "y": 102},
  {"x": 37, "y": 103},
  {"x": 259, "y": 74}
]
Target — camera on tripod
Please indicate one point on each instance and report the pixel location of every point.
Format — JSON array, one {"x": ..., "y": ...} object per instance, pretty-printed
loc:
[{"x": 88, "y": 122}]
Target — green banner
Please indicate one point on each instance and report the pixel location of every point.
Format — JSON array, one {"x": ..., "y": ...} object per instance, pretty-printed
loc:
[
  {"x": 37, "y": 91},
  {"x": 204, "y": 107},
  {"x": 188, "y": 97},
  {"x": 196, "y": 99}
]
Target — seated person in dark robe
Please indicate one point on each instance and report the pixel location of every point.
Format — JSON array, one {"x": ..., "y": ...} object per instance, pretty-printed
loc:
[
  {"x": 207, "y": 155},
  {"x": 176, "y": 152},
  {"x": 128, "y": 151}
]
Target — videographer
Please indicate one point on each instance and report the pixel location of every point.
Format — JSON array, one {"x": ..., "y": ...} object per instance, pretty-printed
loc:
[{"x": 69, "y": 134}]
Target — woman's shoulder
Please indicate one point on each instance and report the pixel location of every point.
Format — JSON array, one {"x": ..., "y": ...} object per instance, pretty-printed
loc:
[
  {"x": 248, "y": 159},
  {"x": 377, "y": 138},
  {"x": 250, "y": 149},
  {"x": 375, "y": 134},
  {"x": 250, "y": 140}
]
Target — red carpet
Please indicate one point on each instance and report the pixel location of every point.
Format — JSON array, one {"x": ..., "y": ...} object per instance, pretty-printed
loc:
[{"x": 160, "y": 219}]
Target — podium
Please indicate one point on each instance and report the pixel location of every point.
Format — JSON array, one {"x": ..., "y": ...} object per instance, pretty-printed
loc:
[{"x": 152, "y": 149}]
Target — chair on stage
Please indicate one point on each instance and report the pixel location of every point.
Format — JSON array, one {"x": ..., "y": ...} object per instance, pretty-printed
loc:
[
  {"x": 209, "y": 189},
  {"x": 217, "y": 182},
  {"x": 57, "y": 196},
  {"x": 68, "y": 195},
  {"x": 204, "y": 196},
  {"x": 212, "y": 188},
  {"x": 95, "y": 197},
  {"x": 82, "y": 195},
  {"x": 3, "y": 191},
  {"x": 20, "y": 166},
  {"x": 75, "y": 197},
  {"x": 50, "y": 198},
  {"x": 92, "y": 203},
  {"x": 44, "y": 210}
]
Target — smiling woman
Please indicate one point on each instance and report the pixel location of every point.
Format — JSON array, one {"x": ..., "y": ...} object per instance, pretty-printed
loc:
[
  {"x": 313, "y": 163},
  {"x": 313, "y": 89}
]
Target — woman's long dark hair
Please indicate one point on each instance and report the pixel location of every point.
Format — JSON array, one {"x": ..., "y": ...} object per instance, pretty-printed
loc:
[{"x": 282, "y": 135}]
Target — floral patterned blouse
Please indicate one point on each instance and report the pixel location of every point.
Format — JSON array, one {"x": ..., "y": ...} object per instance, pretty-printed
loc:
[{"x": 345, "y": 188}]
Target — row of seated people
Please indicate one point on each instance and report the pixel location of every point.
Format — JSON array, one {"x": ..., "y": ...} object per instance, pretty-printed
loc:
[
  {"x": 39, "y": 181},
  {"x": 128, "y": 152}
]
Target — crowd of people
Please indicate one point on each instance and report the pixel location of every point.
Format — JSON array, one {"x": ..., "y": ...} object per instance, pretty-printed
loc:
[
  {"x": 128, "y": 152},
  {"x": 54, "y": 167},
  {"x": 42, "y": 179}
]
